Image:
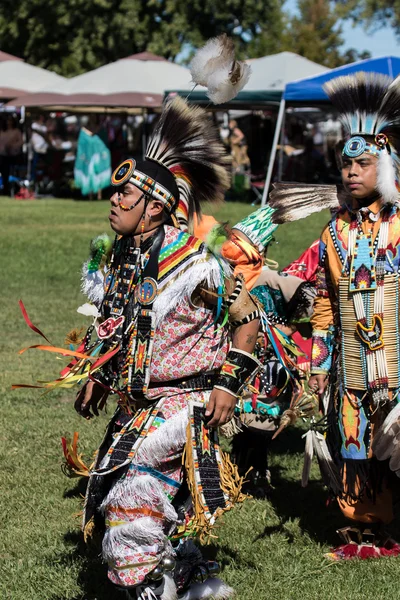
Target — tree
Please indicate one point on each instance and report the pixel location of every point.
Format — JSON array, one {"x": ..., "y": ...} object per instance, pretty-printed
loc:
[
  {"x": 79, "y": 35},
  {"x": 316, "y": 34},
  {"x": 373, "y": 14}
]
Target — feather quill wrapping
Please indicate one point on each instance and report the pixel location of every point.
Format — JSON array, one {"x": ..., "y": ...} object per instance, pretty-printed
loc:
[
  {"x": 214, "y": 66},
  {"x": 294, "y": 201}
]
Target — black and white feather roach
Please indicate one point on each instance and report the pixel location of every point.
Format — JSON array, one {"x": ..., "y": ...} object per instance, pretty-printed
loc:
[
  {"x": 359, "y": 100},
  {"x": 186, "y": 143}
]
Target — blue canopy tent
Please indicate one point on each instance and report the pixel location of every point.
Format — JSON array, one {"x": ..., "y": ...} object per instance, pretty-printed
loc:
[{"x": 309, "y": 91}]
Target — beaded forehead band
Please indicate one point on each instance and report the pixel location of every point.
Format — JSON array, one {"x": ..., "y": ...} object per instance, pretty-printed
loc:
[
  {"x": 357, "y": 145},
  {"x": 127, "y": 173}
]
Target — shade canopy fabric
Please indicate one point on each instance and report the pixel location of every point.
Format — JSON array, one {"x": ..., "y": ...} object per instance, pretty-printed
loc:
[
  {"x": 5, "y": 56},
  {"x": 311, "y": 90},
  {"x": 269, "y": 76},
  {"x": 18, "y": 77},
  {"x": 139, "y": 80}
]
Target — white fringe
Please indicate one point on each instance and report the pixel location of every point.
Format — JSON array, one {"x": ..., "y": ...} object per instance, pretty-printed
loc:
[
  {"x": 212, "y": 588},
  {"x": 386, "y": 178},
  {"x": 92, "y": 284},
  {"x": 135, "y": 491},
  {"x": 135, "y": 534},
  {"x": 169, "y": 438},
  {"x": 231, "y": 428},
  {"x": 210, "y": 274},
  {"x": 169, "y": 592}
]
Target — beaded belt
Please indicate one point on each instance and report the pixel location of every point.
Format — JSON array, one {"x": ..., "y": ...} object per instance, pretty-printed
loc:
[{"x": 204, "y": 381}]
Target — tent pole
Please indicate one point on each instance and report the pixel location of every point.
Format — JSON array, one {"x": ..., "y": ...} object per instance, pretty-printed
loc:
[
  {"x": 144, "y": 133},
  {"x": 281, "y": 149},
  {"x": 273, "y": 152}
]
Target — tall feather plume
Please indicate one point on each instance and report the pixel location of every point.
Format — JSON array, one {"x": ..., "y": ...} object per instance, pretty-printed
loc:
[
  {"x": 215, "y": 67},
  {"x": 293, "y": 201},
  {"x": 185, "y": 143}
]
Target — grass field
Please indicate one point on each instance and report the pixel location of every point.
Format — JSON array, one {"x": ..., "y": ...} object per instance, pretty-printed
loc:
[{"x": 269, "y": 549}]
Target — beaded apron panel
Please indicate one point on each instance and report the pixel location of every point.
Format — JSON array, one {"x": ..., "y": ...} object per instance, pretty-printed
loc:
[{"x": 352, "y": 353}]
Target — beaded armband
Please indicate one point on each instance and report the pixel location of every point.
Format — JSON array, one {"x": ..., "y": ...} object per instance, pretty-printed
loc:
[
  {"x": 239, "y": 368},
  {"x": 241, "y": 307},
  {"x": 322, "y": 350}
]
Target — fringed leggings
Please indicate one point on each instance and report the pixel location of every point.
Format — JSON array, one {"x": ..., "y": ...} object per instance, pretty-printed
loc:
[{"x": 138, "y": 510}]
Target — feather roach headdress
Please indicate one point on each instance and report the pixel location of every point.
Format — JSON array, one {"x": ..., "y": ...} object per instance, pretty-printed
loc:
[
  {"x": 369, "y": 109},
  {"x": 185, "y": 163},
  {"x": 215, "y": 67}
]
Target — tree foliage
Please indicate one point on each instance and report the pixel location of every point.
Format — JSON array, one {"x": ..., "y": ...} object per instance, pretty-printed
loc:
[
  {"x": 79, "y": 35},
  {"x": 373, "y": 14},
  {"x": 316, "y": 33},
  {"x": 76, "y": 36}
]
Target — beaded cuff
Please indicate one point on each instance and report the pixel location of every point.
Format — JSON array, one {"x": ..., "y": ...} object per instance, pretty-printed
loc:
[
  {"x": 322, "y": 350},
  {"x": 239, "y": 368}
]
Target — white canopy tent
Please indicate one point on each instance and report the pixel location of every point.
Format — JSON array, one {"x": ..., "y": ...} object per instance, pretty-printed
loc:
[
  {"x": 138, "y": 81},
  {"x": 18, "y": 77},
  {"x": 275, "y": 71}
]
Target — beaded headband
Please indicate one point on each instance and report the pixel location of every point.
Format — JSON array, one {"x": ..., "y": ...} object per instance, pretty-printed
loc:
[
  {"x": 358, "y": 145},
  {"x": 127, "y": 172}
]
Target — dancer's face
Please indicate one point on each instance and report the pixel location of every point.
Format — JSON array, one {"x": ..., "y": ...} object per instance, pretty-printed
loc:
[
  {"x": 359, "y": 175},
  {"x": 125, "y": 221}
]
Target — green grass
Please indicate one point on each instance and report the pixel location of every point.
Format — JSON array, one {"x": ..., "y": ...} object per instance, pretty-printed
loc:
[{"x": 269, "y": 549}]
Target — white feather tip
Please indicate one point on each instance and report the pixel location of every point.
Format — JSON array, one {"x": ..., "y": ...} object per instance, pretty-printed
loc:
[{"x": 214, "y": 66}]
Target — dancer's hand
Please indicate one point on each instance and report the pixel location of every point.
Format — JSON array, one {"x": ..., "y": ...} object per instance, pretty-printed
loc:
[
  {"x": 91, "y": 396},
  {"x": 318, "y": 383},
  {"x": 220, "y": 408}
]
